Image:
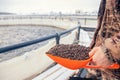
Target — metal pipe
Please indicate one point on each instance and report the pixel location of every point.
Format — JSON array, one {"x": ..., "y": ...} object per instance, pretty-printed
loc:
[
  {"x": 64, "y": 32},
  {"x": 78, "y": 36},
  {"x": 57, "y": 38},
  {"x": 57, "y": 35},
  {"x": 16, "y": 46}
]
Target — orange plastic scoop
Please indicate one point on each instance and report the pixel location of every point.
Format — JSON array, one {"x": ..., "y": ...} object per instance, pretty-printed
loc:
[{"x": 76, "y": 64}]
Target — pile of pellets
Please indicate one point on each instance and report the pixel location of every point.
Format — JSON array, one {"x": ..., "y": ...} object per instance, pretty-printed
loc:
[{"x": 70, "y": 51}]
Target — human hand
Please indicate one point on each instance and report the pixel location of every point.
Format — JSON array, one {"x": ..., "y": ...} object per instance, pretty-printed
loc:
[
  {"x": 113, "y": 44},
  {"x": 99, "y": 58}
]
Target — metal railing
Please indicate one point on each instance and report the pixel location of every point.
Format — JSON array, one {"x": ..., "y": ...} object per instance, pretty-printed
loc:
[{"x": 24, "y": 44}]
